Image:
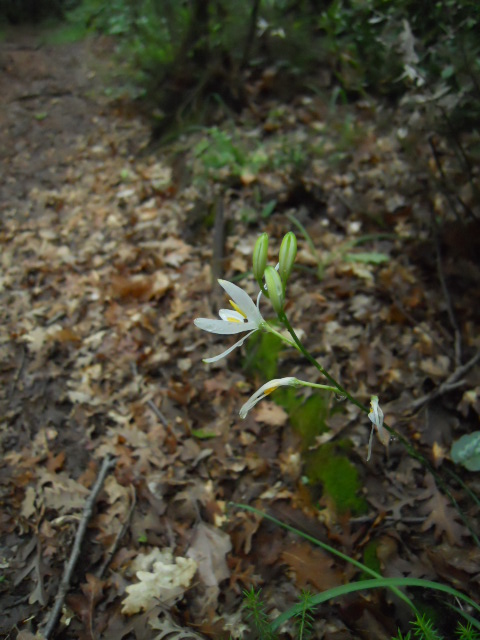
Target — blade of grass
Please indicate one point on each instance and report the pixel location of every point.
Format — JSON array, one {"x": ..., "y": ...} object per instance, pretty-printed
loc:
[
  {"x": 377, "y": 583},
  {"x": 327, "y": 548}
]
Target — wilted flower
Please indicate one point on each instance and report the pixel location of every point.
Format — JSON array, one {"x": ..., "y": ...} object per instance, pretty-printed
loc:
[
  {"x": 376, "y": 416},
  {"x": 266, "y": 390},
  {"x": 245, "y": 316}
]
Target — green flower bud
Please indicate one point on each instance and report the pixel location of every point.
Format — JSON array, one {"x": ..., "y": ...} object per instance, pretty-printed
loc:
[
  {"x": 286, "y": 257},
  {"x": 274, "y": 289},
  {"x": 260, "y": 257}
]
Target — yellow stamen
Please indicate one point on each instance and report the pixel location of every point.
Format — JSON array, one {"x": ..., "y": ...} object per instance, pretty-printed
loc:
[
  {"x": 269, "y": 391},
  {"x": 235, "y": 320},
  {"x": 237, "y": 308}
]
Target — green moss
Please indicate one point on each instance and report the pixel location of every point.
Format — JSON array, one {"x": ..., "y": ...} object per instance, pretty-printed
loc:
[
  {"x": 309, "y": 418},
  {"x": 262, "y": 355},
  {"x": 338, "y": 476},
  {"x": 370, "y": 559}
]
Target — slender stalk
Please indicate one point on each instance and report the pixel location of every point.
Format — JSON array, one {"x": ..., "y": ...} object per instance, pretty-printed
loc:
[
  {"x": 270, "y": 329},
  {"x": 283, "y": 318},
  {"x": 410, "y": 449},
  {"x": 328, "y": 548}
]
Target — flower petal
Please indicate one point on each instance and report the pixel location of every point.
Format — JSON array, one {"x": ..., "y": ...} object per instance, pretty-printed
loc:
[
  {"x": 370, "y": 442},
  {"x": 265, "y": 390},
  {"x": 376, "y": 416},
  {"x": 222, "y": 327},
  {"x": 231, "y": 316},
  {"x": 243, "y": 300},
  {"x": 230, "y": 349}
]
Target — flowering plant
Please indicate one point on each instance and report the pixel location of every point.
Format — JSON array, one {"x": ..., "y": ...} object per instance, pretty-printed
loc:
[{"x": 244, "y": 316}]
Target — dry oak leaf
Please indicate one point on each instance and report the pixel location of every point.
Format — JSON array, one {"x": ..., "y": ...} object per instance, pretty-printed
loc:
[
  {"x": 167, "y": 583},
  {"x": 442, "y": 516},
  {"x": 208, "y": 549},
  {"x": 271, "y": 414},
  {"x": 312, "y": 567},
  {"x": 140, "y": 287}
]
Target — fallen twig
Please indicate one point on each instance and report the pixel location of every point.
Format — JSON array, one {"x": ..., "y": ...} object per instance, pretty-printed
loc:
[
  {"x": 120, "y": 534},
  {"x": 157, "y": 412},
  {"x": 452, "y": 382},
  {"x": 107, "y": 464},
  {"x": 446, "y": 294}
]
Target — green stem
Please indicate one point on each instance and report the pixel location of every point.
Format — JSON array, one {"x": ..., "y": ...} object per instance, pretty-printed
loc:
[
  {"x": 270, "y": 329},
  {"x": 316, "y": 386},
  {"x": 284, "y": 320},
  {"x": 328, "y": 548},
  {"x": 410, "y": 449}
]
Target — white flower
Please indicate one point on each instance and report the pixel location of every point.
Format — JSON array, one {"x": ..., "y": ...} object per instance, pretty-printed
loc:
[
  {"x": 245, "y": 316},
  {"x": 376, "y": 416},
  {"x": 266, "y": 390}
]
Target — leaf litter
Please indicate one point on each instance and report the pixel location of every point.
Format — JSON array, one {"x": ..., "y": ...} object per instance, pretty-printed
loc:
[{"x": 106, "y": 259}]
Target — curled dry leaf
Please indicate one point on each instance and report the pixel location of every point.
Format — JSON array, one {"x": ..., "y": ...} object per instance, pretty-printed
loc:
[{"x": 167, "y": 583}]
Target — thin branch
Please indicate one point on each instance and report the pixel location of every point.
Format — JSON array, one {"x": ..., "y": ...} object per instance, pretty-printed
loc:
[
  {"x": 157, "y": 412},
  {"x": 416, "y": 324},
  {"x": 448, "y": 300},
  {"x": 443, "y": 177},
  {"x": 452, "y": 382},
  {"x": 251, "y": 33},
  {"x": 107, "y": 464},
  {"x": 120, "y": 534}
]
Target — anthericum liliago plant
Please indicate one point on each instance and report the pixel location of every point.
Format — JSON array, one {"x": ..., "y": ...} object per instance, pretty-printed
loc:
[{"x": 244, "y": 317}]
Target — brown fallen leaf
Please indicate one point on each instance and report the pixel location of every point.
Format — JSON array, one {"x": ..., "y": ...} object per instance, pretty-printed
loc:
[
  {"x": 271, "y": 414},
  {"x": 442, "y": 516},
  {"x": 208, "y": 548},
  {"x": 312, "y": 567},
  {"x": 140, "y": 287}
]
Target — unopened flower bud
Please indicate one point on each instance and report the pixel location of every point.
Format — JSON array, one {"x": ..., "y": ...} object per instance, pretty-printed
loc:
[
  {"x": 260, "y": 257},
  {"x": 286, "y": 257},
  {"x": 274, "y": 289}
]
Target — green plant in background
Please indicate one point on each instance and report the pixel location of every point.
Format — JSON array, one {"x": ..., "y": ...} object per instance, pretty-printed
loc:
[
  {"x": 324, "y": 463},
  {"x": 422, "y": 626},
  {"x": 256, "y": 614},
  {"x": 223, "y": 156},
  {"x": 466, "y": 451},
  {"x": 344, "y": 250}
]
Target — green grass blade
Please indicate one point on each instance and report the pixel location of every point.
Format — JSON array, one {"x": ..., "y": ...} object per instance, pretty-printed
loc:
[
  {"x": 329, "y": 549},
  {"x": 377, "y": 583}
]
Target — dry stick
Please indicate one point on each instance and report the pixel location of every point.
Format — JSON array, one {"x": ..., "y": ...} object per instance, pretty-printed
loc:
[
  {"x": 157, "y": 412},
  {"x": 446, "y": 190},
  {"x": 120, "y": 534},
  {"x": 412, "y": 451},
  {"x": 17, "y": 375},
  {"x": 107, "y": 464},
  {"x": 218, "y": 249},
  {"x": 415, "y": 323},
  {"x": 448, "y": 299},
  {"x": 452, "y": 382}
]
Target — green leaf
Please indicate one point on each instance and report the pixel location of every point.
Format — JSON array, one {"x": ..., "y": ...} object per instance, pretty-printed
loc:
[
  {"x": 466, "y": 451},
  {"x": 268, "y": 209},
  {"x": 369, "y": 258},
  {"x": 370, "y": 558},
  {"x": 262, "y": 355},
  {"x": 338, "y": 476},
  {"x": 201, "y": 434},
  {"x": 309, "y": 418},
  {"x": 345, "y": 589}
]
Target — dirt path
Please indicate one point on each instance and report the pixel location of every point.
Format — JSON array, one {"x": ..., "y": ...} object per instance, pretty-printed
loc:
[
  {"x": 52, "y": 109},
  {"x": 105, "y": 259}
]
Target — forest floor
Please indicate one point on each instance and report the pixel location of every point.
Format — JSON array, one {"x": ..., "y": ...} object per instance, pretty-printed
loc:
[{"x": 109, "y": 251}]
